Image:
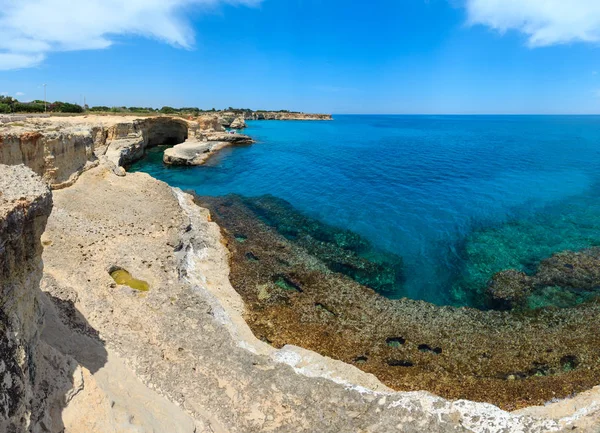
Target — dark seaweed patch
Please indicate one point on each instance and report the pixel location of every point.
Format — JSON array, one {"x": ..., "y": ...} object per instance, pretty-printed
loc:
[{"x": 395, "y": 341}]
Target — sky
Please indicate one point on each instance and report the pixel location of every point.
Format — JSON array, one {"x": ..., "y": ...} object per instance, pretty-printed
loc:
[{"x": 330, "y": 56}]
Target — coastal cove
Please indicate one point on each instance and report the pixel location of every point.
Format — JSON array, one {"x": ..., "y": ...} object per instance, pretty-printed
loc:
[
  {"x": 214, "y": 309},
  {"x": 458, "y": 198}
]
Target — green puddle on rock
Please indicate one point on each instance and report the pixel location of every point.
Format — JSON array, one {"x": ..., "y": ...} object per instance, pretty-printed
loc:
[{"x": 122, "y": 277}]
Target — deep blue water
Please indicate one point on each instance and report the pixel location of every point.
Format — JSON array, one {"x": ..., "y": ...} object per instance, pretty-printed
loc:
[{"x": 458, "y": 197}]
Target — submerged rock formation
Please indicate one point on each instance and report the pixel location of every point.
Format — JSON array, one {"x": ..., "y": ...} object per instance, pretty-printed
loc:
[
  {"x": 294, "y": 296},
  {"x": 566, "y": 279},
  {"x": 340, "y": 250}
]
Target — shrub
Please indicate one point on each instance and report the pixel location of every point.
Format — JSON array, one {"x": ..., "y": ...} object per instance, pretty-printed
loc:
[
  {"x": 21, "y": 107},
  {"x": 100, "y": 108},
  {"x": 4, "y": 108},
  {"x": 65, "y": 107}
]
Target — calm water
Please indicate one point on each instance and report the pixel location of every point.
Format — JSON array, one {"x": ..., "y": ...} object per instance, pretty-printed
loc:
[{"x": 458, "y": 197}]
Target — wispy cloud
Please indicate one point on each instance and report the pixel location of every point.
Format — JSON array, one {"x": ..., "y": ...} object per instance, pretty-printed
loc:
[
  {"x": 31, "y": 29},
  {"x": 545, "y": 22},
  {"x": 19, "y": 94}
]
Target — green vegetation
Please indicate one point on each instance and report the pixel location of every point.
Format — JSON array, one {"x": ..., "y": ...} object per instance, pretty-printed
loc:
[{"x": 11, "y": 105}]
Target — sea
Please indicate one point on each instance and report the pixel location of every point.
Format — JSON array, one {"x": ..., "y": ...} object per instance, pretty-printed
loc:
[{"x": 459, "y": 198}]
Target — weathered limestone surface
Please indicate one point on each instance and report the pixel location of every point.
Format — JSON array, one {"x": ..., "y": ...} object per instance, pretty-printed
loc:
[
  {"x": 192, "y": 152},
  {"x": 231, "y": 138},
  {"x": 59, "y": 155}
]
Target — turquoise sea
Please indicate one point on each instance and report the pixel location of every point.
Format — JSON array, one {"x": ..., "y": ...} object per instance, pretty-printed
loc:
[{"x": 457, "y": 197}]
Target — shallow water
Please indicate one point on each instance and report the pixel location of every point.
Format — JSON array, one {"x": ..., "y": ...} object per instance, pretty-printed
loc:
[{"x": 457, "y": 197}]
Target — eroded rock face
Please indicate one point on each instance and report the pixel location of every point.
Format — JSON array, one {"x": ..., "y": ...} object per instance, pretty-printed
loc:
[
  {"x": 210, "y": 122},
  {"x": 238, "y": 123},
  {"x": 25, "y": 204},
  {"x": 126, "y": 142},
  {"x": 58, "y": 156},
  {"x": 59, "y": 150}
]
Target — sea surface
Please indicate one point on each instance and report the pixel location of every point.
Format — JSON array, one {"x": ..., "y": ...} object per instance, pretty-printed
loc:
[{"x": 457, "y": 197}]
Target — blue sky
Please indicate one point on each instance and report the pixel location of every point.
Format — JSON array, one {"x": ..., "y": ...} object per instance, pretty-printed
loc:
[{"x": 383, "y": 56}]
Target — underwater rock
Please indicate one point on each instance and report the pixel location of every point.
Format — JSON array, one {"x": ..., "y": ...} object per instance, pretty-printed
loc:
[
  {"x": 577, "y": 270},
  {"x": 509, "y": 289},
  {"x": 564, "y": 280},
  {"x": 511, "y": 358},
  {"x": 341, "y": 250}
]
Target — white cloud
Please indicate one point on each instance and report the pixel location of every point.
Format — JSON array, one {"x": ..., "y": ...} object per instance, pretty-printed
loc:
[
  {"x": 32, "y": 28},
  {"x": 545, "y": 22},
  {"x": 19, "y": 94}
]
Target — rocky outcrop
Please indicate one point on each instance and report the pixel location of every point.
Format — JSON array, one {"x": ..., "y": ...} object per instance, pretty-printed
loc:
[
  {"x": 228, "y": 137},
  {"x": 210, "y": 122},
  {"x": 283, "y": 115},
  {"x": 59, "y": 150},
  {"x": 58, "y": 155},
  {"x": 192, "y": 152},
  {"x": 238, "y": 123},
  {"x": 126, "y": 142}
]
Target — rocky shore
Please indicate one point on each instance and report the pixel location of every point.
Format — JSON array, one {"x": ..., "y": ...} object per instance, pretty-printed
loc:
[
  {"x": 83, "y": 353},
  {"x": 283, "y": 115}
]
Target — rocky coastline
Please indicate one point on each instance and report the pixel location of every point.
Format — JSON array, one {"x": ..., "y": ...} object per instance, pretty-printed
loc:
[{"x": 214, "y": 344}]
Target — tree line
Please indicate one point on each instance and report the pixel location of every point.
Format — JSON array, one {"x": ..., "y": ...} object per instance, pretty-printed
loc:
[{"x": 11, "y": 105}]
